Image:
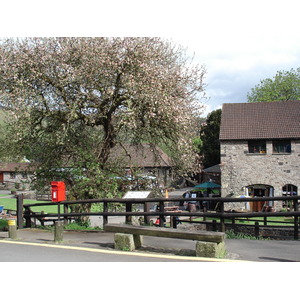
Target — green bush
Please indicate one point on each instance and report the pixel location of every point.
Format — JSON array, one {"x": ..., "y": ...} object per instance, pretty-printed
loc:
[
  {"x": 230, "y": 234},
  {"x": 80, "y": 226},
  {"x": 3, "y": 225}
]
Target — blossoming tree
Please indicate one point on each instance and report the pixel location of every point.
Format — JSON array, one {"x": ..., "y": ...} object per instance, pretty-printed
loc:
[{"x": 71, "y": 100}]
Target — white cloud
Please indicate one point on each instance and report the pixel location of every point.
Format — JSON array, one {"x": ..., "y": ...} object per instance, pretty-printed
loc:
[
  {"x": 206, "y": 111},
  {"x": 239, "y": 42},
  {"x": 235, "y": 65}
]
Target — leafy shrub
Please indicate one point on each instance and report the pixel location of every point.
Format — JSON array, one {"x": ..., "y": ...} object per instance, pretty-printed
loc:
[
  {"x": 3, "y": 225},
  {"x": 230, "y": 234}
]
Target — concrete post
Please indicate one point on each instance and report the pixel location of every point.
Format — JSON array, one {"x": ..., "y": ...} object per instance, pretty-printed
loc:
[
  {"x": 12, "y": 229},
  {"x": 58, "y": 231}
]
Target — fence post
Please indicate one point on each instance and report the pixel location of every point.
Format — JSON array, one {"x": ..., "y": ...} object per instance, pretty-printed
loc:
[
  {"x": 214, "y": 225},
  {"x": 27, "y": 217},
  {"x": 256, "y": 230},
  {"x": 66, "y": 209},
  {"x": 174, "y": 220},
  {"x": 296, "y": 221},
  {"x": 222, "y": 222},
  {"x": 58, "y": 231},
  {"x": 204, "y": 209},
  {"x": 20, "y": 198},
  {"x": 105, "y": 209},
  {"x": 146, "y": 209},
  {"x": 128, "y": 209},
  {"x": 161, "y": 217}
]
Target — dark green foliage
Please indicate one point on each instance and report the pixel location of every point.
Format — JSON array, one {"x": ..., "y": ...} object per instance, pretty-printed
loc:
[{"x": 210, "y": 138}]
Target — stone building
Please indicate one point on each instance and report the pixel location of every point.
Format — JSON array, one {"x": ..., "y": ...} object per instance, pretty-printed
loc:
[
  {"x": 212, "y": 174},
  {"x": 14, "y": 175},
  {"x": 260, "y": 150},
  {"x": 148, "y": 161}
]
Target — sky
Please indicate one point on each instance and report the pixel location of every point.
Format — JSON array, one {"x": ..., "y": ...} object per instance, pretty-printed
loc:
[
  {"x": 242, "y": 43},
  {"x": 234, "y": 69},
  {"x": 238, "y": 42}
]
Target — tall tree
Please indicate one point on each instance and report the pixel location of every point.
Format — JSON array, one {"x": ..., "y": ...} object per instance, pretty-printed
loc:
[
  {"x": 210, "y": 139},
  {"x": 71, "y": 100},
  {"x": 284, "y": 86}
]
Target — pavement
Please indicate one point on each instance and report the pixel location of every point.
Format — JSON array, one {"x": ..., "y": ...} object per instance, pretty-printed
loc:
[{"x": 237, "y": 249}]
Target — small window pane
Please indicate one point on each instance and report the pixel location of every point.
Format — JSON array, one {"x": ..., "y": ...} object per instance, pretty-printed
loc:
[
  {"x": 257, "y": 147},
  {"x": 282, "y": 146}
]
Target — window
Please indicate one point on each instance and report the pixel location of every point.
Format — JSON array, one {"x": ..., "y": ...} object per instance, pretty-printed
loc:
[
  {"x": 281, "y": 146},
  {"x": 289, "y": 190},
  {"x": 12, "y": 175},
  {"x": 257, "y": 147}
]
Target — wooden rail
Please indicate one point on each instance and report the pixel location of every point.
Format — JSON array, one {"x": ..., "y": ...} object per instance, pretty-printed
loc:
[{"x": 221, "y": 214}]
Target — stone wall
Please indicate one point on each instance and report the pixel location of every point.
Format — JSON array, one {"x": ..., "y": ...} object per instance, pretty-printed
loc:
[
  {"x": 241, "y": 168},
  {"x": 18, "y": 181},
  {"x": 270, "y": 232}
]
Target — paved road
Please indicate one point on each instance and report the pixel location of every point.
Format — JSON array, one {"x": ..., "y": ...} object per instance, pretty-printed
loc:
[
  {"x": 265, "y": 250},
  {"x": 15, "y": 251},
  {"x": 98, "y": 246}
]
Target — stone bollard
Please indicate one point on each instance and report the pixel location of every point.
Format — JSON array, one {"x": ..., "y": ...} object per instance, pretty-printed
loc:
[
  {"x": 12, "y": 229},
  {"x": 124, "y": 241},
  {"x": 209, "y": 249},
  {"x": 58, "y": 231}
]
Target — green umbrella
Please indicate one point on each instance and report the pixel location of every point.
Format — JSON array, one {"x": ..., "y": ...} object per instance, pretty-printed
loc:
[{"x": 207, "y": 185}]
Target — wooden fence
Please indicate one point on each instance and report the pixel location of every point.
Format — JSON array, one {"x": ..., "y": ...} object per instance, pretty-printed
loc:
[{"x": 24, "y": 210}]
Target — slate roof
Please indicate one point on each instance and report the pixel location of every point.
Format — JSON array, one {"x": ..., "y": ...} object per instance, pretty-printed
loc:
[
  {"x": 13, "y": 167},
  {"x": 213, "y": 169},
  {"x": 261, "y": 120},
  {"x": 142, "y": 156}
]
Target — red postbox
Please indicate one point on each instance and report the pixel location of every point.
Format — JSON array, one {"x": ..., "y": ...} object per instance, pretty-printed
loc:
[{"x": 58, "y": 192}]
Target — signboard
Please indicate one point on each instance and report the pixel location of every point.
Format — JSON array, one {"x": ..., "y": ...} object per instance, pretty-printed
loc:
[{"x": 137, "y": 194}]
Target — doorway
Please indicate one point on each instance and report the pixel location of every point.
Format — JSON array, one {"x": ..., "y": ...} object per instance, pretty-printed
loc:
[{"x": 260, "y": 190}]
